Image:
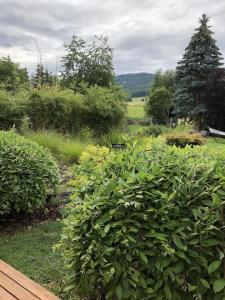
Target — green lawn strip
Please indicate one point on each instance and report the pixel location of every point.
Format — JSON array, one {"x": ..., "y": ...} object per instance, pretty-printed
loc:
[
  {"x": 30, "y": 252},
  {"x": 135, "y": 110}
]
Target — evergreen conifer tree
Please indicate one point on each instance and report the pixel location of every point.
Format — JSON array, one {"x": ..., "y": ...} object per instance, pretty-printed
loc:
[{"x": 200, "y": 60}]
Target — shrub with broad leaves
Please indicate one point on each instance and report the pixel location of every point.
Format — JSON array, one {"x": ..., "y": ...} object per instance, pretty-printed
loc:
[{"x": 147, "y": 225}]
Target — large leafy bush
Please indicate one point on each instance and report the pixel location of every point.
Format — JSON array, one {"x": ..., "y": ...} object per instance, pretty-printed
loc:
[
  {"x": 27, "y": 171},
  {"x": 55, "y": 109},
  {"x": 104, "y": 108},
  {"x": 50, "y": 108},
  {"x": 147, "y": 225}
]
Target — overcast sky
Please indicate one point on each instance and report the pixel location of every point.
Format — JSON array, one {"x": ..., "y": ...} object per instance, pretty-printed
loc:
[{"x": 146, "y": 35}]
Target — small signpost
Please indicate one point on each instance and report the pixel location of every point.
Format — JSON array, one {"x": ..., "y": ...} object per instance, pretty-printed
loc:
[{"x": 118, "y": 146}]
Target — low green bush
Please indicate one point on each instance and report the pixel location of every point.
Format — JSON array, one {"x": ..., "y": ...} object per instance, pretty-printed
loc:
[
  {"x": 147, "y": 225},
  {"x": 27, "y": 172},
  {"x": 156, "y": 130},
  {"x": 182, "y": 139}
]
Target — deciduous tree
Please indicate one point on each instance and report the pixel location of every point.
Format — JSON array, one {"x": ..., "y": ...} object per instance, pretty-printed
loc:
[{"x": 89, "y": 63}]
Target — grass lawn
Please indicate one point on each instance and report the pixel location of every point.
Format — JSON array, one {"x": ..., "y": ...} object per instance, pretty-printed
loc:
[
  {"x": 135, "y": 110},
  {"x": 30, "y": 252}
]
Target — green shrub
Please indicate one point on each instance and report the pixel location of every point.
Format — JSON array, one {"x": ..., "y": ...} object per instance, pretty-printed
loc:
[
  {"x": 182, "y": 139},
  {"x": 156, "y": 130},
  {"x": 51, "y": 108},
  {"x": 55, "y": 109},
  {"x": 147, "y": 225},
  {"x": 27, "y": 171},
  {"x": 104, "y": 109},
  {"x": 11, "y": 112}
]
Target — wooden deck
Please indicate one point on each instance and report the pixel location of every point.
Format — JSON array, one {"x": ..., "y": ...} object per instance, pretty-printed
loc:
[{"x": 16, "y": 286}]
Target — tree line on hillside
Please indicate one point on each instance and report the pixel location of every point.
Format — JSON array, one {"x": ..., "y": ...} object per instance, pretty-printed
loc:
[
  {"x": 197, "y": 89},
  {"x": 135, "y": 84}
]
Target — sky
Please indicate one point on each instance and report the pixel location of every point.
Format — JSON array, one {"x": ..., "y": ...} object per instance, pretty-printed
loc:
[{"x": 146, "y": 35}]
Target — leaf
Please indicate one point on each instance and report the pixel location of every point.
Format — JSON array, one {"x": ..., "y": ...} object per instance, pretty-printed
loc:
[
  {"x": 191, "y": 287},
  {"x": 143, "y": 257},
  {"x": 158, "y": 285},
  {"x": 214, "y": 266},
  {"x": 167, "y": 292},
  {"x": 205, "y": 283},
  {"x": 178, "y": 242},
  {"x": 216, "y": 200},
  {"x": 218, "y": 285},
  {"x": 107, "y": 227},
  {"x": 119, "y": 292}
]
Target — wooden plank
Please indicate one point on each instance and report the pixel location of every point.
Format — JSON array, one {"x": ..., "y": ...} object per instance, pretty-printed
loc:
[
  {"x": 15, "y": 289},
  {"x": 31, "y": 286},
  {"x": 4, "y": 295},
  {"x": 216, "y": 132}
]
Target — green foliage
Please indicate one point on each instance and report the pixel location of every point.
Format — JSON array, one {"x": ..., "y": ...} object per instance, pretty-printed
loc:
[
  {"x": 11, "y": 112},
  {"x": 12, "y": 76},
  {"x": 147, "y": 225},
  {"x": 113, "y": 137},
  {"x": 159, "y": 105},
  {"x": 104, "y": 108},
  {"x": 164, "y": 79},
  {"x": 42, "y": 77},
  {"x": 50, "y": 108},
  {"x": 156, "y": 130},
  {"x": 63, "y": 148},
  {"x": 55, "y": 109},
  {"x": 89, "y": 63},
  {"x": 70, "y": 152},
  {"x": 27, "y": 171},
  {"x": 182, "y": 139},
  {"x": 201, "y": 59}
]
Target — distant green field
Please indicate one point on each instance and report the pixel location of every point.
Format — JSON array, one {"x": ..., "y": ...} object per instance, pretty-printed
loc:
[{"x": 135, "y": 110}]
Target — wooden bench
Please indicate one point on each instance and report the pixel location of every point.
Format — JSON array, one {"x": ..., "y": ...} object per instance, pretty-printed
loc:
[{"x": 16, "y": 286}]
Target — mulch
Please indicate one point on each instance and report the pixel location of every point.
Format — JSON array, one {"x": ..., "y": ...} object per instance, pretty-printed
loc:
[{"x": 13, "y": 222}]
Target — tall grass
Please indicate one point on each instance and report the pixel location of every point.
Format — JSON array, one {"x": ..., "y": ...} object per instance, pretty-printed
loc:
[
  {"x": 64, "y": 148},
  {"x": 113, "y": 137}
]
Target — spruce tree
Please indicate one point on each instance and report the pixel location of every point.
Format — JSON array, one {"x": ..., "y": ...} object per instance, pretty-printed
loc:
[{"x": 201, "y": 59}]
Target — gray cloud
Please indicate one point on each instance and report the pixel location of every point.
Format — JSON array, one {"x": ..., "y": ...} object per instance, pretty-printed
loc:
[{"x": 146, "y": 35}]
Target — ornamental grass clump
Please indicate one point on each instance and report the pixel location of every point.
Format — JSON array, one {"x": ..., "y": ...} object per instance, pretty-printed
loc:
[
  {"x": 147, "y": 225},
  {"x": 27, "y": 173},
  {"x": 182, "y": 139}
]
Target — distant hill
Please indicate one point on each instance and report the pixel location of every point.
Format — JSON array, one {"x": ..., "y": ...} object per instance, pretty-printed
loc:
[{"x": 136, "y": 84}]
